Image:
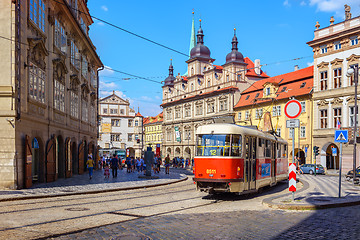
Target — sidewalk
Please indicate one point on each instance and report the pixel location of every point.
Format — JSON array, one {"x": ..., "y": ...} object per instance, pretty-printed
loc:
[
  {"x": 317, "y": 192},
  {"x": 81, "y": 184}
]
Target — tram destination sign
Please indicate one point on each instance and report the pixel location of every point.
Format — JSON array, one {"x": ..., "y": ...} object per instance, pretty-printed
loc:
[{"x": 293, "y": 123}]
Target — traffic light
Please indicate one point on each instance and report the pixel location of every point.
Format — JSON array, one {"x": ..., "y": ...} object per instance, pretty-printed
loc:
[
  {"x": 138, "y": 140},
  {"x": 316, "y": 150}
]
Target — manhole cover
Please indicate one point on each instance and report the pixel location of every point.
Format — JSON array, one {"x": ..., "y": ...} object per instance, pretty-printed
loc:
[{"x": 77, "y": 209}]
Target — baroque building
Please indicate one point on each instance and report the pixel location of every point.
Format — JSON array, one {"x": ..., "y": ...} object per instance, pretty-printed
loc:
[
  {"x": 336, "y": 48},
  {"x": 207, "y": 92},
  {"x": 262, "y": 105},
  {"x": 153, "y": 133},
  {"x": 116, "y": 132},
  {"x": 48, "y": 91}
]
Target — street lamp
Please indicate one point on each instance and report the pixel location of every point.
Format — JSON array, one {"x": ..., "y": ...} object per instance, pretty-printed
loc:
[{"x": 354, "y": 71}]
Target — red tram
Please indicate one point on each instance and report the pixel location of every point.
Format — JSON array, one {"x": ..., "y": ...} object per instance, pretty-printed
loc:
[{"x": 238, "y": 159}]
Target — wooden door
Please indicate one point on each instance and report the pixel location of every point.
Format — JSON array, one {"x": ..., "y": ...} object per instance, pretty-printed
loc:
[
  {"x": 81, "y": 158},
  {"x": 50, "y": 161},
  {"x": 28, "y": 163}
]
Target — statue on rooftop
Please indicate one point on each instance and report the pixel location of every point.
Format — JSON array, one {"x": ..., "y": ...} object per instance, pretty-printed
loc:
[{"x": 347, "y": 12}]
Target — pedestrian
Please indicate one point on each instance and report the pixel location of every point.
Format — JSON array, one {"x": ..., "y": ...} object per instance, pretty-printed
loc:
[
  {"x": 158, "y": 164},
  {"x": 128, "y": 164},
  {"x": 133, "y": 164},
  {"x": 167, "y": 164},
  {"x": 107, "y": 171},
  {"x": 90, "y": 165},
  {"x": 138, "y": 164},
  {"x": 114, "y": 166}
]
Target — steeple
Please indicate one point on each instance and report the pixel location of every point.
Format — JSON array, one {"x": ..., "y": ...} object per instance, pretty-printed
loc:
[
  {"x": 200, "y": 35},
  {"x": 234, "y": 41},
  {"x": 192, "y": 38},
  {"x": 169, "y": 81},
  {"x": 171, "y": 69}
]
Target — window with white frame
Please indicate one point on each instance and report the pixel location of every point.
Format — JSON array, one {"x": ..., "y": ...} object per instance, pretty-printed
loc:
[
  {"x": 337, "y": 45},
  {"x": 74, "y": 105},
  {"x": 267, "y": 91},
  {"x": 177, "y": 113},
  {"x": 136, "y": 123},
  {"x": 208, "y": 83},
  {"x": 323, "y": 118},
  {"x": 187, "y": 135},
  {"x": 247, "y": 115},
  {"x": 75, "y": 55},
  {"x": 211, "y": 107},
  {"x": 256, "y": 113},
  {"x": 115, "y": 122},
  {"x": 187, "y": 112},
  {"x": 337, "y": 116},
  {"x": 59, "y": 96},
  {"x": 130, "y": 123},
  {"x": 337, "y": 78},
  {"x": 84, "y": 67},
  {"x": 136, "y": 136},
  {"x": 113, "y": 111},
  {"x": 199, "y": 109},
  {"x": 105, "y": 111},
  {"x": 84, "y": 111},
  {"x": 130, "y": 137},
  {"x": 239, "y": 115},
  {"x": 168, "y": 136},
  {"x": 37, "y": 13},
  {"x": 223, "y": 105},
  {"x": 192, "y": 87},
  {"x": 323, "y": 49},
  {"x": 323, "y": 80},
  {"x": 274, "y": 111},
  {"x": 59, "y": 36},
  {"x": 303, "y": 106},
  {"x": 36, "y": 83},
  {"x": 169, "y": 115},
  {"x": 92, "y": 115},
  {"x": 278, "y": 132},
  {"x": 354, "y": 41},
  {"x": 352, "y": 117},
  {"x": 278, "y": 109},
  {"x": 351, "y": 78},
  {"x": 115, "y": 137},
  {"x": 227, "y": 78},
  {"x": 302, "y": 131}
]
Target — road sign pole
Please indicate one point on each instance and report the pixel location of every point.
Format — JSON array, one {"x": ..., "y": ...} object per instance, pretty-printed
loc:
[
  {"x": 340, "y": 156},
  {"x": 293, "y": 155}
]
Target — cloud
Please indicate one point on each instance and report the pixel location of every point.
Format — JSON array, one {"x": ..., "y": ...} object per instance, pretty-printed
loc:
[
  {"x": 104, "y": 8},
  {"x": 106, "y": 72},
  {"x": 303, "y": 3},
  {"x": 310, "y": 64},
  {"x": 100, "y": 23},
  {"x": 157, "y": 97},
  {"x": 108, "y": 85},
  {"x": 286, "y": 3}
]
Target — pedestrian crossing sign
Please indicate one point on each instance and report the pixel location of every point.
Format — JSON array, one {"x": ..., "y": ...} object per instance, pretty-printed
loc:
[{"x": 341, "y": 136}]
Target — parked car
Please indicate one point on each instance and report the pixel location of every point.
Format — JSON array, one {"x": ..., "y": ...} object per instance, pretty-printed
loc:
[
  {"x": 309, "y": 168},
  {"x": 350, "y": 175}
]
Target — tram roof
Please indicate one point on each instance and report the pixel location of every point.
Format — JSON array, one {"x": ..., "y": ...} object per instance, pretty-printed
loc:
[{"x": 228, "y": 128}]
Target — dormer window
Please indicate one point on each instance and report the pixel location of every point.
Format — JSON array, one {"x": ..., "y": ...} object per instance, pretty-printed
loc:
[
  {"x": 257, "y": 95},
  {"x": 247, "y": 97},
  {"x": 283, "y": 90},
  {"x": 337, "y": 45},
  {"x": 354, "y": 41},
  {"x": 303, "y": 85},
  {"x": 267, "y": 91}
]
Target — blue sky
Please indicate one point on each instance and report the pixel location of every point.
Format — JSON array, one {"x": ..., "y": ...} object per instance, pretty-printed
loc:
[{"x": 273, "y": 31}]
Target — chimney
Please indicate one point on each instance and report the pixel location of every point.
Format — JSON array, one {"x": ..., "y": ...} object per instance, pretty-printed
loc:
[
  {"x": 296, "y": 67},
  {"x": 257, "y": 66}
]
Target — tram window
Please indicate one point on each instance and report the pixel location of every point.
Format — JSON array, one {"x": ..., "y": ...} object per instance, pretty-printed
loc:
[
  {"x": 267, "y": 148},
  {"x": 236, "y": 145},
  {"x": 285, "y": 151},
  {"x": 213, "y": 145},
  {"x": 278, "y": 150},
  {"x": 247, "y": 148},
  {"x": 254, "y": 149},
  {"x": 260, "y": 142}
]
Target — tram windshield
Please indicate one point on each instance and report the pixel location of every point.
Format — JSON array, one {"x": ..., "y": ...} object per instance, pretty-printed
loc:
[{"x": 219, "y": 145}]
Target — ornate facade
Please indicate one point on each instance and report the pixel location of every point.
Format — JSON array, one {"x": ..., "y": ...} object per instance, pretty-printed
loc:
[
  {"x": 207, "y": 92},
  {"x": 48, "y": 91},
  {"x": 336, "y": 48}
]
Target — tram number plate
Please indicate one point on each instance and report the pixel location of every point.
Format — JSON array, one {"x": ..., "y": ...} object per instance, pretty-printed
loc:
[{"x": 210, "y": 171}]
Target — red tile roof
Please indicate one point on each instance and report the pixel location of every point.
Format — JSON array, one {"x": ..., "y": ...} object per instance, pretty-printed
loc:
[
  {"x": 251, "y": 71},
  {"x": 138, "y": 115},
  {"x": 217, "y": 67},
  {"x": 291, "y": 84},
  {"x": 157, "y": 118}
]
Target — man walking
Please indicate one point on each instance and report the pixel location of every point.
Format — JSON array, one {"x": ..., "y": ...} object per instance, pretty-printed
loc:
[
  {"x": 114, "y": 165},
  {"x": 167, "y": 164}
]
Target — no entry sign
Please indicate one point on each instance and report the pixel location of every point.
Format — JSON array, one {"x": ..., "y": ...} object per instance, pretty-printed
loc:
[{"x": 292, "y": 108}]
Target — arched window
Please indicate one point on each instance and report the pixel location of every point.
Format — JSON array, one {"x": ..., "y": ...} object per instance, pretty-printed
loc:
[
  {"x": 208, "y": 83},
  {"x": 192, "y": 87},
  {"x": 192, "y": 71}
]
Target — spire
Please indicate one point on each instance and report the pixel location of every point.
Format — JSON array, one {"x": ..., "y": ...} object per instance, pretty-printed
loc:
[
  {"x": 234, "y": 41},
  {"x": 200, "y": 35},
  {"x": 192, "y": 38},
  {"x": 171, "y": 69}
]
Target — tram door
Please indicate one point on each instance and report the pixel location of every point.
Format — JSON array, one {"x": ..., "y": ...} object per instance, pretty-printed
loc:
[
  {"x": 250, "y": 163},
  {"x": 273, "y": 162}
]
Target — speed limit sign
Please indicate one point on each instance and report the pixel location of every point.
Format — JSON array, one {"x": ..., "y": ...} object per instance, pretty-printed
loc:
[{"x": 292, "y": 108}]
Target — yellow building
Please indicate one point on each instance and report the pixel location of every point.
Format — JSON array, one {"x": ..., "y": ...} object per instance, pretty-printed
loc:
[
  {"x": 153, "y": 132},
  {"x": 262, "y": 105}
]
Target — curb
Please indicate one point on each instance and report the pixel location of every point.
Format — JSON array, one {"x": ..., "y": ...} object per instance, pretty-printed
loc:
[
  {"x": 269, "y": 202},
  {"x": 92, "y": 191}
]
